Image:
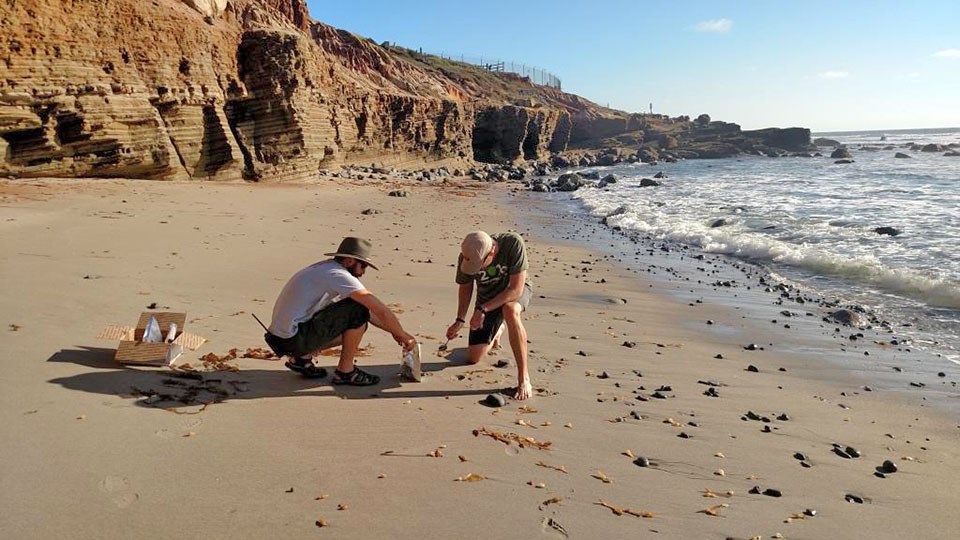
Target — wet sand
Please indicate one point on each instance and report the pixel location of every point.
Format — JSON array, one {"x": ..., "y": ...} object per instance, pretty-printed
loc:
[{"x": 622, "y": 361}]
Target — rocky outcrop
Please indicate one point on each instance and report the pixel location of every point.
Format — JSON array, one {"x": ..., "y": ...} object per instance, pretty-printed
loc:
[{"x": 255, "y": 89}]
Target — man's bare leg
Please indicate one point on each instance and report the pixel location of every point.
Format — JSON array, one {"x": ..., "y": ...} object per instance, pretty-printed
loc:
[
  {"x": 518, "y": 342},
  {"x": 350, "y": 343},
  {"x": 477, "y": 352}
]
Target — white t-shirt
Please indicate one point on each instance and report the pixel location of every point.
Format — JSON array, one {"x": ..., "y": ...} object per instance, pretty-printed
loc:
[{"x": 308, "y": 291}]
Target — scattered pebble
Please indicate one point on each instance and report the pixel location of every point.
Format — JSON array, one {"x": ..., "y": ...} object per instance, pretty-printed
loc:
[{"x": 495, "y": 400}]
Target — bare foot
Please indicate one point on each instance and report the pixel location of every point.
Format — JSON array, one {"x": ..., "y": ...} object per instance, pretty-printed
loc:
[{"x": 524, "y": 391}]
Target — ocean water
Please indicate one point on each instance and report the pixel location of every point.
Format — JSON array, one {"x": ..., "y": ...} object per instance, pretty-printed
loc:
[{"x": 811, "y": 222}]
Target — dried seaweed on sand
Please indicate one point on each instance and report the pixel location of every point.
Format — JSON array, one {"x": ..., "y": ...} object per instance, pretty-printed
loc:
[{"x": 507, "y": 438}]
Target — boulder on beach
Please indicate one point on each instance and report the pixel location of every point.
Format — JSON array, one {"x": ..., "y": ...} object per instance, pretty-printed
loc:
[
  {"x": 849, "y": 317},
  {"x": 932, "y": 148},
  {"x": 649, "y": 182},
  {"x": 569, "y": 182}
]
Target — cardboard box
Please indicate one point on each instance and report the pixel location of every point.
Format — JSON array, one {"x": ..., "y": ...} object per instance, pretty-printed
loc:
[{"x": 132, "y": 349}]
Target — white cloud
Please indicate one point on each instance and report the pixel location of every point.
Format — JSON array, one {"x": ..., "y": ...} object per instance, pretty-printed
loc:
[
  {"x": 716, "y": 26},
  {"x": 833, "y": 75},
  {"x": 947, "y": 53},
  {"x": 914, "y": 75}
]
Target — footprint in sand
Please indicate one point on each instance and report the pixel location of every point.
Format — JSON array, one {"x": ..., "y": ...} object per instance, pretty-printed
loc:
[
  {"x": 164, "y": 434},
  {"x": 118, "y": 487}
]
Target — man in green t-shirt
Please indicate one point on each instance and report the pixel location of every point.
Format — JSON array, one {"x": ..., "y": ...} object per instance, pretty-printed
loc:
[{"x": 498, "y": 265}]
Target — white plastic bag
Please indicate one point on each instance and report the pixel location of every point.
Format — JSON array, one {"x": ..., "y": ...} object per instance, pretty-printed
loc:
[{"x": 152, "y": 333}]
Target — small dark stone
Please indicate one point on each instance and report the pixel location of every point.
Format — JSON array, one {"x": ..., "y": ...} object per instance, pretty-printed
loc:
[
  {"x": 711, "y": 392},
  {"x": 753, "y": 369},
  {"x": 719, "y": 357},
  {"x": 917, "y": 384},
  {"x": 495, "y": 400},
  {"x": 502, "y": 364},
  {"x": 153, "y": 305},
  {"x": 641, "y": 462},
  {"x": 581, "y": 353},
  {"x": 800, "y": 456},
  {"x": 603, "y": 375},
  {"x": 770, "y": 492},
  {"x": 805, "y": 465},
  {"x": 635, "y": 415},
  {"x": 841, "y": 453},
  {"x": 766, "y": 429},
  {"x": 941, "y": 374},
  {"x": 751, "y": 347},
  {"x": 783, "y": 417},
  {"x": 629, "y": 344},
  {"x": 879, "y": 474},
  {"x": 810, "y": 512},
  {"x": 658, "y": 395},
  {"x": 851, "y": 498},
  {"x": 665, "y": 388},
  {"x": 755, "y": 490},
  {"x": 370, "y": 211},
  {"x": 710, "y": 321},
  {"x": 752, "y": 415},
  {"x": 852, "y": 452},
  {"x": 683, "y": 435},
  {"x": 888, "y": 467}
]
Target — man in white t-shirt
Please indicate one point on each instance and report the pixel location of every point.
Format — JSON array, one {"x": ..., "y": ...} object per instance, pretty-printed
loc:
[{"x": 325, "y": 305}]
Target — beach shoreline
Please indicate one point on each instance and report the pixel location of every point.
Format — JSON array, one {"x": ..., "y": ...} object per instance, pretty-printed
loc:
[{"x": 88, "y": 458}]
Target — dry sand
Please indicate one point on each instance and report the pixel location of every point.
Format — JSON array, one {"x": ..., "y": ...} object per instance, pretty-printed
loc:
[{"x": 86, "y": 453}]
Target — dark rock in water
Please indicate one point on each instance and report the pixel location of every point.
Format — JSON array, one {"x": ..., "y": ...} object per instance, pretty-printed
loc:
[
  {"x": 932, "y": 147},
  {"x": 823, "y": 141},
  {"x": 841, "y": 153},
  {"x": 889, "y": 231},
  {"x": 607, "y": 180},
  {"x": 649, "y": 182},
  {"x": 901, "y": 155},
  {"x": 660, "y": 175},
  {"x": 851, "y": 498},
  {"x": 843, "y": 162},
  {"x": 495, "y": 400},
  {"x": 770, "y": 492},
  {"x": 398, "y": 193},
  {"x": 888, "y": 467},
  {"x": 591, "y": 175},
  {"x": 641, "y": 462},
  {"x": 753, "y": 369},
  {"x": 719, "y": 223},
  {"x": 849, "y": 318}
]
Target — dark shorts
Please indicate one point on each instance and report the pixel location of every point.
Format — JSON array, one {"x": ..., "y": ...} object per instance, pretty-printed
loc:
[
  {"x": 493, "y": 320},
  {"x": 320, "y": 331}
]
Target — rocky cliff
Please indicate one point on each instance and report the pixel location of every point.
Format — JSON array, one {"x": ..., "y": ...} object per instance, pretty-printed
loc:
[{"x": 255, "y": 89}]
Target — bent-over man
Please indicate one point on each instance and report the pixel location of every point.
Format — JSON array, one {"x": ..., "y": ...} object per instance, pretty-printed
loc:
[
  {"x": 325, "y": 305},
  {"x": 498, "y": 266}
]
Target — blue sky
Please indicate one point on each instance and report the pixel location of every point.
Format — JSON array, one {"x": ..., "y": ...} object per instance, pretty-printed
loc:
[{"x": 837, "y": 65}]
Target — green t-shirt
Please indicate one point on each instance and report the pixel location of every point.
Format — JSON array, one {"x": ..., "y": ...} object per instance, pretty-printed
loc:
[{"x": 511, "y": 258}]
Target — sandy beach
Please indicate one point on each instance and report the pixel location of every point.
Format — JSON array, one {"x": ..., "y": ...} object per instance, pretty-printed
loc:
[{"x": 624, "y": 364}]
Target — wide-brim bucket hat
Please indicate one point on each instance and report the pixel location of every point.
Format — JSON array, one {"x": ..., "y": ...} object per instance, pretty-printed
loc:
[{"x": 357, "y": 248}]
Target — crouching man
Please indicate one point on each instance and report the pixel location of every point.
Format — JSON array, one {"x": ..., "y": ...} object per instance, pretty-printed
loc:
[
  {"x": 498, "y": 265},
  {"x": 325, "y": 305}
]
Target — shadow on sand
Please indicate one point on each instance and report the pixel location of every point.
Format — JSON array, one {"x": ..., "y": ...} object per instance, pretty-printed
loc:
[{"x": 159, "y": 387}]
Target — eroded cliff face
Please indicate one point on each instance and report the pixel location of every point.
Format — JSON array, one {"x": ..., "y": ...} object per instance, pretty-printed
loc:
[{"x": 211, "y": 89}]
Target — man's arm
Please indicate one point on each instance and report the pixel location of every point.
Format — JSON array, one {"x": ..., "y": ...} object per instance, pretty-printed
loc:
[
  {"x": 464, "y": 294},
  {"x": 512, "y": 293},
  {"x": 388, "y": 321}
]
